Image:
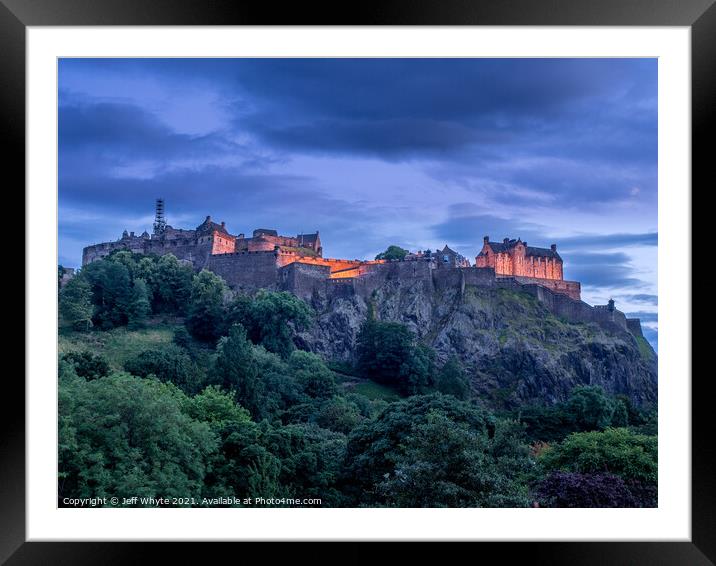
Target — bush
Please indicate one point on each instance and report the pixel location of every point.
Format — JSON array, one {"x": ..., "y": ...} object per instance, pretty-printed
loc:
[
  {"x": 572, "y": 489},
  {"x": 170, "y": 364},
  {"x": 615, "y": 450},
  {"x": 87, "y": 364}
]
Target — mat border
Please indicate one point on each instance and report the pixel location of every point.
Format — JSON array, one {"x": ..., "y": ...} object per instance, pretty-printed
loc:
[{"x": 700, "y": 15}]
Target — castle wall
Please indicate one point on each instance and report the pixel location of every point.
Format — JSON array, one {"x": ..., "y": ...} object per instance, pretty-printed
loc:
[
  {"x": 480, "y": 276},
  {"x": 341, "y": 288},
  {"x": 187, "y": 249},
  {"x": 446, "y": 278},
  {"x": 303, "y": 280},
  {"x": 375, "y": 275},
  {"x": 332, "y": 264},
  {"x": 99, "y": 251},
  {"x": 570, "y": 288},
  {"x": 246, "y": 271}
]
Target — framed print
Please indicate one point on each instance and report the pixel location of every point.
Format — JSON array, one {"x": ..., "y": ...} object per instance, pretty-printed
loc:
[{"x": 397, "y": 278}]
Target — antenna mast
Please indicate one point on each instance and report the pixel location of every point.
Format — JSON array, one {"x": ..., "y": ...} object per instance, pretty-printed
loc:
[{"x": 160, "y": 223}]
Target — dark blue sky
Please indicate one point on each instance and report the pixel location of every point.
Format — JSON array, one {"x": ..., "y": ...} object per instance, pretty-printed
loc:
[{"x": 415, "y": 152}]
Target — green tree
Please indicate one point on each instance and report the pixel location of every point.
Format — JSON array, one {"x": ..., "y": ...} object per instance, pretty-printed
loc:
[
  {"x": 382, "y": 348},
  {"x": 182, "y": 338},
  {"x": 452, "y": 380},
  {"x": 590, "y": 408},
  {"x": 375, "y": 445},
  {"x": 393, "y": 252},
  {"x": 111, "y": 292},
  {"x": 620, "y": 418},
  {"x": 205, "y": 320},
  {"x": 311, "y": 459},
  {"x": 434, "y": 451},
  {"x": 387, "y": 352},
  {"x": 139, "y": 307},
  {"x": 87, "y": 364},
  {"x": 241, "y": 311},
  {"x": 311, "y": 372},
  {"x": 216, "y": 407},
  {"x": 126, "y": 258},
  {"x": 245, "y": 467},
  {"x": 338, "y": 414},
  {"x": 444, "y": 463},
  {"x": 277, "y": 315},
  {"x": 416, "y": 373},
  {"x": 76, "y": 303},
  {"x": 122, "y": 436},
  {"x": 236, "y": 369},
  {"x": 169, "y": 363},
  {"x": 172, "y": 284}
]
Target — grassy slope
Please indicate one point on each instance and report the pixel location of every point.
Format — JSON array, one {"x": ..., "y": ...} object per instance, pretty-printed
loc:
[
  {"x": 374, "y": 390},
  {"x": 117, "y": 345}
]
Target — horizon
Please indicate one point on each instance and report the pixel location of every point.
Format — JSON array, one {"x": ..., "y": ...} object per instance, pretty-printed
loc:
[{"x": 419, "y": 153}]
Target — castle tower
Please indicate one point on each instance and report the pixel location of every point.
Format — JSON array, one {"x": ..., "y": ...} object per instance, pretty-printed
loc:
[{"x": 160, "y": 223}]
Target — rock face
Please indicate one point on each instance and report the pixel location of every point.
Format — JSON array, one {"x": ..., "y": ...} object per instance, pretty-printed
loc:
[{"x": 514, "y": 350}]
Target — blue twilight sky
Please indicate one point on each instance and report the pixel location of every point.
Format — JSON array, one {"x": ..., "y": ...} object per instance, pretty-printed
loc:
[{"x": 372, "y": 152}]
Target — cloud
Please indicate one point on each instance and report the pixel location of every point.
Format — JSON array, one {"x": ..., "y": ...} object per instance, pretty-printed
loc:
[
  {"x": 604, "y": 270},
  {"x": 643, "y": 298},
  {"x": 608, "y": 241},
  {"x": 471, "y": 228}
]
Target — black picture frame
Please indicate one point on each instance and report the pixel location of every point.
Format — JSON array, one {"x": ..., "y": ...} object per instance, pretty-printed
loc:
[{"x": 699, "y": 15}]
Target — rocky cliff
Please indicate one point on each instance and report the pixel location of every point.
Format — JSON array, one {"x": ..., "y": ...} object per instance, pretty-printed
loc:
[{"x": 513, "y": 348}]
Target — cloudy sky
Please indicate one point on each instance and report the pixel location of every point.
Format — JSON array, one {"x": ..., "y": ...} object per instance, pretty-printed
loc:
[{"x": 372, "y": 152}]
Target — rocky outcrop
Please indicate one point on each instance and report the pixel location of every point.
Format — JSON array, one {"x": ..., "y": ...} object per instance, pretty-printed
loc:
[{"x": 514, "y": 349}]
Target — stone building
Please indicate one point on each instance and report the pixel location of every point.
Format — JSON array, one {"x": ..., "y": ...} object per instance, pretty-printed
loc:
[
  {"x": 267, "y": 240},
  {"x": 528, "y": 264},
  {"x": 206, "y": 240},
  {"x": 450, "y": 258}
]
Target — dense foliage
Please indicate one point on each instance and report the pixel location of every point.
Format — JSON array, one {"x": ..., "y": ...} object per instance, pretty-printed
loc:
[
  {"x": 571, "y": 489},
  {"x": 393, "y": 252},
  {"x": 389, "y": 353},
  {"x": 227, "y": 405}
]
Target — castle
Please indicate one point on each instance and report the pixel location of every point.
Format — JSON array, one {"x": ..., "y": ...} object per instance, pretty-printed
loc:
[{"x": 296, "y": 264}]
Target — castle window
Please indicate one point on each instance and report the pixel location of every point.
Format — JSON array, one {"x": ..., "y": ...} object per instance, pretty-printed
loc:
[{"x": 446, "y": 259}]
